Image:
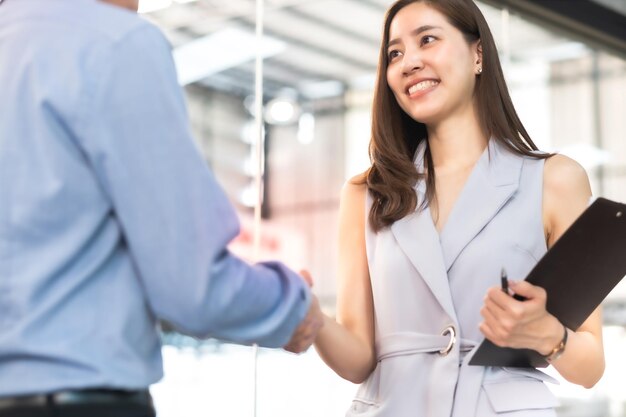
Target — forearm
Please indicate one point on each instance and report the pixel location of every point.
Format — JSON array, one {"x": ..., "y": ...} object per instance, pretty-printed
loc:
[
  {"x": 582, "y": 362},
  {"x": 527, "y": 324},
  {"x": 238, "y": 302},
  {"x": 346, "y": 354},
  {"x": 566, "y": 192}
]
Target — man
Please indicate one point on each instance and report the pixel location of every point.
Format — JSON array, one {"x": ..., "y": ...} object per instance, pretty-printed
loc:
[{"x": 110, "y": 219}]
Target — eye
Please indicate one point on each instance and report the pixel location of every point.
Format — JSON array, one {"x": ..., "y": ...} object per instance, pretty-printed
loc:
[
  {"x": 393, "y": 54},
  {"x": 427, "y": 39}
]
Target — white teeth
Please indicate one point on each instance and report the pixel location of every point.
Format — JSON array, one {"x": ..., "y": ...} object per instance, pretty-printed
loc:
[{"x": 422, "y": 86}]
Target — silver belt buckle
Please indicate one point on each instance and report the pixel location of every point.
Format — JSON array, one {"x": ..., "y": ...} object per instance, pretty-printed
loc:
[{"x": 452, "y": 332}]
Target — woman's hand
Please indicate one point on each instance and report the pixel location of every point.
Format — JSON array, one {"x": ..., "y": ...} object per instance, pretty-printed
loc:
[{"x": 520, "y": 324}]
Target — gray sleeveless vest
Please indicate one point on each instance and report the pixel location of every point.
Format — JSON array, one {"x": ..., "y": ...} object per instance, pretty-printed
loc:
[{"x": 427, "y": 285}]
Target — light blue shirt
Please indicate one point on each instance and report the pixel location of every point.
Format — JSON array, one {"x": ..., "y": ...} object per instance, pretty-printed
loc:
[{"x": 109, "y": 216}]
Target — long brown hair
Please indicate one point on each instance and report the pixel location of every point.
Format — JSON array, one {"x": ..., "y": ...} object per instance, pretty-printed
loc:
[{"x": 396, "y": 136}]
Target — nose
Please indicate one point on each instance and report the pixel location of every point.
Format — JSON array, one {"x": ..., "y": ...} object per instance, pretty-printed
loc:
[{"x": 412, "y": 61}]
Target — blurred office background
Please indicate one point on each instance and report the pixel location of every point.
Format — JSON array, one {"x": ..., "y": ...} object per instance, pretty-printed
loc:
[{"x": 565, "y": 63}]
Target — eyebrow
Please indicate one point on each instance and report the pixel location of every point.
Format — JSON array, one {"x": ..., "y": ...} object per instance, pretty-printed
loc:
[{"x": 414, "y": 32}]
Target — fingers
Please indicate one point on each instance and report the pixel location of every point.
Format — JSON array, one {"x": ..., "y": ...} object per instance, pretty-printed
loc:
[
  {"x": 501, "y": 303},
  {"x": 489, "y": 333},
  {"x": 303, "y": 339},
  {"x": 497, "y": 326},
  {"x": 306, "y": 276},
  {"x": 527, "y": 290},
  {"x": 306, "y": 332},
  {"x": 496, "y": 301},
  {"x": 502, "y": 315},
  {"x": 512, "y": 323},
  {"x": 496, "y": 296},
  {"x": 300, "y": 342}
]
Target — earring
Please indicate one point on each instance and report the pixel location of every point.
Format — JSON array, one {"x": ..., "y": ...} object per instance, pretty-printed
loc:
[{"x": 479, "y": 70}]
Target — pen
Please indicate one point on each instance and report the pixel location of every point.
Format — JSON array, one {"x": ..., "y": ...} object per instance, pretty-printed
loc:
[{"x": 504, "y": 282}]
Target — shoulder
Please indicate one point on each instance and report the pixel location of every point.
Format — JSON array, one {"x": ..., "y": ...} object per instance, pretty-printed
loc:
[
  {"x": 88, "y": 19},
  {"x": 566, "y": 193},
  {"x": 100, "y": 25},
  {"x": 110, "y": 22},
  {"x": 564, "y": 177},
  {"x": 353, "y": 195},
  {"x": 68, "y": 25},
  {"x": 355, "y": 188},
  {"x": 120, "y": 29},
  {"x": 87, "y": 31}
]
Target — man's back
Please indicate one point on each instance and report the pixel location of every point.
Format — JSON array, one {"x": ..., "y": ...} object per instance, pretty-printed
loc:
[
  {"x": 109, "y": 217},
  {"x": 61, "y": 263}
]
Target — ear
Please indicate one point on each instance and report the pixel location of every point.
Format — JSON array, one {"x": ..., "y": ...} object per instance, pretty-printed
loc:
[{"x": 478, "y": 52}]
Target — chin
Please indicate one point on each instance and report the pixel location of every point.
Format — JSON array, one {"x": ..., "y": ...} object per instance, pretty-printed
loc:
[
  {"x": 423, "y": 117},
  {"x": 422, "y": 114}
]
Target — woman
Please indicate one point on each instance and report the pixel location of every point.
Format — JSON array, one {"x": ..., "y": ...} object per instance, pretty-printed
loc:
[{"x": 456, "y": 192}]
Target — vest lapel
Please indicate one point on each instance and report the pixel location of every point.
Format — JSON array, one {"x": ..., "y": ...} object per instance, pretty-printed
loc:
[
  {"x": 493, "y": 181},
  {"x": 417, "y": 237}
]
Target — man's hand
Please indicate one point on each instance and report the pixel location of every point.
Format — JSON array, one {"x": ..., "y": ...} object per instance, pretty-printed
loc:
[
  {"x": 306, "y": 276},
  {"x": 305, "y": 334}
]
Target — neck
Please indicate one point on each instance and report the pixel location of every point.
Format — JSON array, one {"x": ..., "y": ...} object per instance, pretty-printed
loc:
[
  {"x": 456, "y": 142},
  {"x": 132, "y": 5}
]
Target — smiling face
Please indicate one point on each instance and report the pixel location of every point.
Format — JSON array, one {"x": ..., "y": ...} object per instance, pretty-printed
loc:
[{"x": 432, "y": 68}]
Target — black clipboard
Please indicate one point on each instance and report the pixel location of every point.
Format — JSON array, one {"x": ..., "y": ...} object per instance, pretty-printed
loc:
[{"x": 578, "y": 272}]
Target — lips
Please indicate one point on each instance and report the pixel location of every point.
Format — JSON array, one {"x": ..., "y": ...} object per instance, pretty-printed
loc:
[{"x": 421, "y": 86}]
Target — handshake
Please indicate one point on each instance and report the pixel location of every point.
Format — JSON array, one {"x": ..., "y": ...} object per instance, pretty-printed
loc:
[{"x": 306, "y": 332}]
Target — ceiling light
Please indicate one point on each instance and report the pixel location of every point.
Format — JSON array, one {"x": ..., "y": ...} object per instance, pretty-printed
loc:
[{"x": 281, "y": 111}]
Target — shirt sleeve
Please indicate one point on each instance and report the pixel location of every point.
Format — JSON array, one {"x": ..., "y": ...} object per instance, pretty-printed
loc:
[{"x": 176, "y": 220}]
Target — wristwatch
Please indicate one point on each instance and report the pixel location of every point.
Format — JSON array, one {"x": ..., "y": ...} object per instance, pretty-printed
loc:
[{"x": 558, "y": 349}]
